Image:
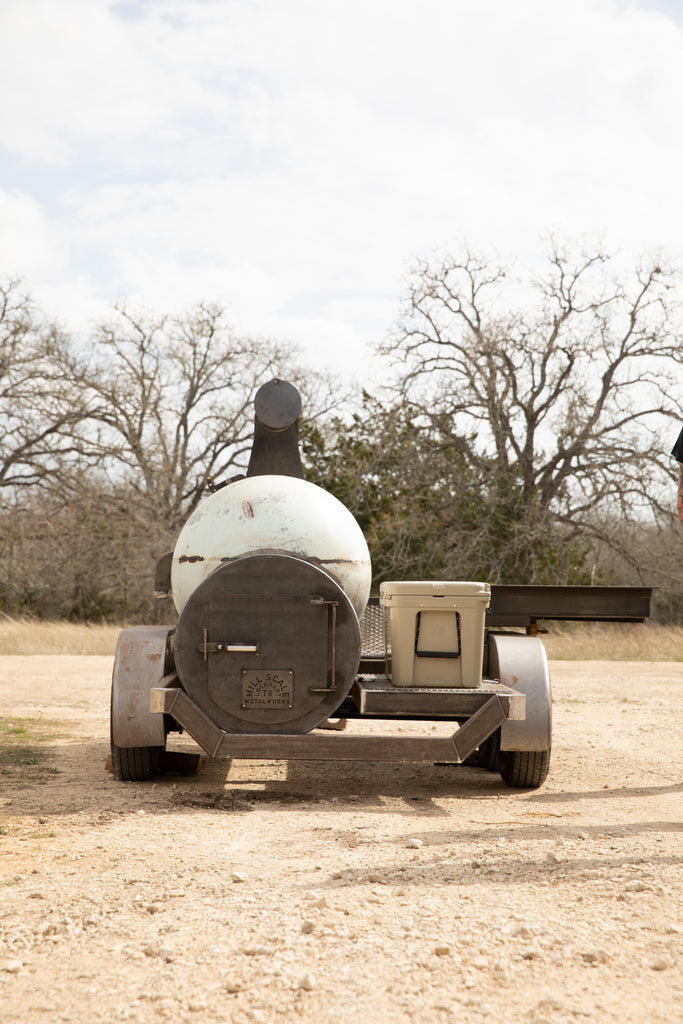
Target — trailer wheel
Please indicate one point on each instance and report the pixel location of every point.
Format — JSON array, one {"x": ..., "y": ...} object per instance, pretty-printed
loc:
[
  {"x": 520, "y": 662},
  {"x": 524, "y": 769},
  {"x": 138, "y": 736}
]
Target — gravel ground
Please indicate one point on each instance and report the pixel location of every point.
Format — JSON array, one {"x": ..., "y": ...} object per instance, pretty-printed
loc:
[{"x": 328, "y": 892}]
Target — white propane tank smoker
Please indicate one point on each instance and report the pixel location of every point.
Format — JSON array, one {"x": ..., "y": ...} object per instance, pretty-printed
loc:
[{"x": 276, "y": 634}]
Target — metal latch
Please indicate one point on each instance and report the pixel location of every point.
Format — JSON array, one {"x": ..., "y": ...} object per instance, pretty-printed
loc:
[{"x": 208, "y": 647}]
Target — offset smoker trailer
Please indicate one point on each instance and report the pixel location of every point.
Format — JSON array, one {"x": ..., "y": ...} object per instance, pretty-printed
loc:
[
  {"x": 504, "y": 725},
  {"x": 275, "y": 636}
]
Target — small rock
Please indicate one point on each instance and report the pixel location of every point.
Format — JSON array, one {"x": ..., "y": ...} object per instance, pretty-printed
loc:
[
  {"x": 595, "y": 956},
  {"x": 480, "y": 963},
  {"x": 442, "y": 950},
  {"x": 307, "y": 927},
  {"x": 239, "y": 876},
  {"x": 197, "y": 1007},
  {"x": 414, "y": 844},
  {"x": 12, "y": 966},
  {"x": 636, "y": 886},
  {"x": 307, "y": 983},
  {"x": 659, "y": 965},
  {"x": 163, "y": 952},
  {"x": 549, "y": 1006},
  {"x": 500, "y": 975}
]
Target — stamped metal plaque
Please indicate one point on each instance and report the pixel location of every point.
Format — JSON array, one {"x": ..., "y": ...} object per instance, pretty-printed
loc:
[{"x": 267, "y": 689}]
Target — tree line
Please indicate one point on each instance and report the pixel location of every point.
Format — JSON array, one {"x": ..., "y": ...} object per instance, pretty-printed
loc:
[{"x": 521, "y": 435}]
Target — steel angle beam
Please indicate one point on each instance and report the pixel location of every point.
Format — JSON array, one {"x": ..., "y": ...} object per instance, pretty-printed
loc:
[{"x": 523, "y": 605}]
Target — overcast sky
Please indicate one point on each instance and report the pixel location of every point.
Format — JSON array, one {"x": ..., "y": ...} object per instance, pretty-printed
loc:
[{"x": 290, "y": 158}]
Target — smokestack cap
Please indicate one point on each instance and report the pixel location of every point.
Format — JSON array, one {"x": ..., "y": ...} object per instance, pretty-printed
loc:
[{"x": 277, "y": 404}]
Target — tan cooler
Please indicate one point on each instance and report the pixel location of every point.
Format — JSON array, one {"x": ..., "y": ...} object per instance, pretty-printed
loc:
[{"x": 436, "y": 630}]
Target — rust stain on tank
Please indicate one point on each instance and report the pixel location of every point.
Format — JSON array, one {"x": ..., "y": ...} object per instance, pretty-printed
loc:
[
  {"x": 191, "y": 558},
  {"x": 247, "y": 509}
]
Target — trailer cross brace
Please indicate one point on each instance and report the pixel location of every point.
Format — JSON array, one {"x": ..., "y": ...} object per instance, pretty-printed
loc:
[{"x": 498, "y": 704}]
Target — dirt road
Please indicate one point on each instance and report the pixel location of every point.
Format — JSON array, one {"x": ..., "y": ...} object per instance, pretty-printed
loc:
[{"x": 265, "y": 892}]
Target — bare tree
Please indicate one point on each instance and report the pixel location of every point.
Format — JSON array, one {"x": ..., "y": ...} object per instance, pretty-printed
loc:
[
  {"x": 41, "y": 406},
  {"x": 557, "y": 407},
  {"x": 83, "y": 550},
  {"x": 106, "y": 446},
  {"x": 170, "y": 402}
]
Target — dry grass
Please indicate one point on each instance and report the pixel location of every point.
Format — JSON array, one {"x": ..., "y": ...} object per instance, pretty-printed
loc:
[
  {"x": 31, "y": 636},
  {"x": 564, "y": 642},
  {"x": 613, "y": 641}
]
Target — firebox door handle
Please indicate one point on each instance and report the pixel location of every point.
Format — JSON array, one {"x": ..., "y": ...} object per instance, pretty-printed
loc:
[{"x": 333, "y": 674}]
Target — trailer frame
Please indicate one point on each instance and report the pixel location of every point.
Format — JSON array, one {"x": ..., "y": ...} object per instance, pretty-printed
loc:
[{"x": 504, "y": 724}]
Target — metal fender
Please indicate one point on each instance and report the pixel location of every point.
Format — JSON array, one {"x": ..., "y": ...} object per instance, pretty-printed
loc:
[
  {"x": 140, "y": 662},
  {"x": 521, "y": 662}
]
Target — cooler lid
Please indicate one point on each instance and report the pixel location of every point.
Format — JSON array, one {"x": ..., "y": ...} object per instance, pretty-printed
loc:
[{"x": 434, "y": 588}]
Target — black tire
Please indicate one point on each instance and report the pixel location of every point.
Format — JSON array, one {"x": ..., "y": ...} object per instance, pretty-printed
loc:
[
  {"x": 135, "y": 764},
  {"x": 524, "y": 769},
  {"x": 489, "y": 752}
]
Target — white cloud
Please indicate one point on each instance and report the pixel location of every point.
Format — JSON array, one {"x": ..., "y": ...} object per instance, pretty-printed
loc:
[
  {"x": 29, "y": 247},
  {"x": 290, "y": 158}
]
